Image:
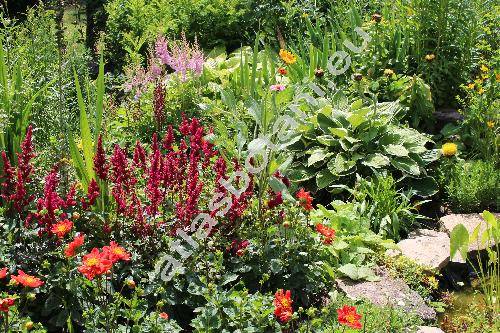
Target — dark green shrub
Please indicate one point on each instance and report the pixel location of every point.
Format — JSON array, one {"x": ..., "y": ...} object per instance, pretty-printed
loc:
[{"x": 132, "y": 24}]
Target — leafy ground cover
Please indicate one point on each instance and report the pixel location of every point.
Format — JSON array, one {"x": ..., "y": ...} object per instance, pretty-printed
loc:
[{"x": 217, "y": 166}]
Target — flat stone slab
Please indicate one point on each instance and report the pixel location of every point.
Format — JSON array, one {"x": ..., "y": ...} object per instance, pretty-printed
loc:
[
  {"x": 470, "y": 222},
  {"x": 426, "y": 247},
  {"x": 387, "y": 291},
  {"x": 429, "y": 329}
]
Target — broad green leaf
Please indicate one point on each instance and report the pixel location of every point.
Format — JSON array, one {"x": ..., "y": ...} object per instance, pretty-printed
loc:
[
  {"x": 340, "y": 165},
  {"x": 406, "y": 164},
  {"x": 396, "y": 150},
  {"x": 327, "y": 140},
  {"x": 358, "y": 117},
  {"x": 316, "y": 156},
  {"x": 459, "y": 241},
  {"x": 340, "y": 132},
  {"x": 349, "y": 270},
  {"x": 324, "y": 178},
  {"x": 376, "y": 160}
]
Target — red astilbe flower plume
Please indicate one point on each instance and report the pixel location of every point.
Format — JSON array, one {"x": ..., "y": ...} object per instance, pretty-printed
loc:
[
  {"x": 283, "y": 305},
  {"x": 348, "y": 316},
  {"x": 94, "y": 264},
  {"x": 139, "y": 156},
  {"x": 70, "y": 197},
  {"x": 27, "y": 280},
  {"x": 62, "y": 228},
  {"x": 305, "y": 199},
  {"x": 327, "y": 232},
  {"x": 49, "y": 203},
  {"x": 71, "y": 248},
  {"x": 153, "y": 191},
  {"x": 8, "y": 176},
  {"x": 92, "y": 195},
  {"x": 168, "y": 139},
  {"x": 120, "y": 167},
  {"x": 101, "y": 166},
  {"x": 13, "y": 188},
  {"x": 24, "y": 158},
  {"x": 239, "y": 204},
  {"x": 115, "y": 253},
  {"x": 159, "y": 104}
]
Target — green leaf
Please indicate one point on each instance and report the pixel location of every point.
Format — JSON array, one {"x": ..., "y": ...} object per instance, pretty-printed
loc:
[
  {"x": 459, "y": 241},
  {"x": 316, "y": 156},
  {"x": 324, "y": 178},
  {"x": 376, "y": 160},
  {"x": 327, "y": 140},
  {"x": 340, "y": 132},
  {"x": 406, "y": 164},
  {"x": 358, "y": 117},
  {"x": 340, "y": 165},
  {"x": 87, "y": 142},
  {"x": 349, "y": 270},
  {"x": 396, "y": 150}
]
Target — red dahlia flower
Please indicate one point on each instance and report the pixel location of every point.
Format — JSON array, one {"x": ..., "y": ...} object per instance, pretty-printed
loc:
[
  {"x": 3, "y": 273},
  {"x": 327, "y": 232},
  {"x": 115, "y": 253},
  {"x": 347, "y": 316},
  {"x": 6, "y": 303},
  {"x": 27, "y": 280},
  {"x": 283, "y": 305},
  {"x": 60, "y": 229},
  {"x": 305, "y": 199},
  {"x": 95, "y": 263},
  {"x": 164, "y": 316},
  {"x": 71, "y": 248}
]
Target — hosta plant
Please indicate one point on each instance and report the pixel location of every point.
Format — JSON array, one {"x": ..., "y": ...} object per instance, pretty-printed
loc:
[{"x": 341, "y": 140}]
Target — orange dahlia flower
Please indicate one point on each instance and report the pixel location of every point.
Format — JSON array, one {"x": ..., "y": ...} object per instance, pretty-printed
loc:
[
  {"x": 71, "y": 248},
  {"x": 60, "y": 229},
  {"x": 95, "y": 263},
  {"x": 6, "y": 303},
  {"x": 283, "y": 305},
  {"x": 115, "y": 252},
  {"x": 327, "y": 232},
  {"x": 348, "y": 316},
  {"x": 305, "y": 199},
  {"x": 27, "y": 280},
  {"x": 3, "y": 273}
]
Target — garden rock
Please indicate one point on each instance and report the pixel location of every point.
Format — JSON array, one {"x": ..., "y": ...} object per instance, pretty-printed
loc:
[
  {"x": 429, "y": 329},
  {"x": 387, "y": 291},
  {"x": 470, "y": 222},
  {"x": 426, "y": 247}
]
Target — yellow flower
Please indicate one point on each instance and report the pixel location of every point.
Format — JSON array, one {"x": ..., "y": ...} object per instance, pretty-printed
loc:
[
  {"x": 287, "y": 57},
  {"x": 481, "y": 91},
  {"x": 430, "y": 57},
  {"x": 449, "y": 149},
  {"x": 497, "y": 77},
  {"x": 471, "y": 86},
  {"x": 484, "y": 68},
  {"x": 490, "y": 124},
  {"x": 304, "y": 15},
  {"x": 388, "y": 72}
]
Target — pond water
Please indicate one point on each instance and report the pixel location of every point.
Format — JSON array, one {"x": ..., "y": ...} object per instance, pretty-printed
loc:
[{"x": 462, "y": 301}]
